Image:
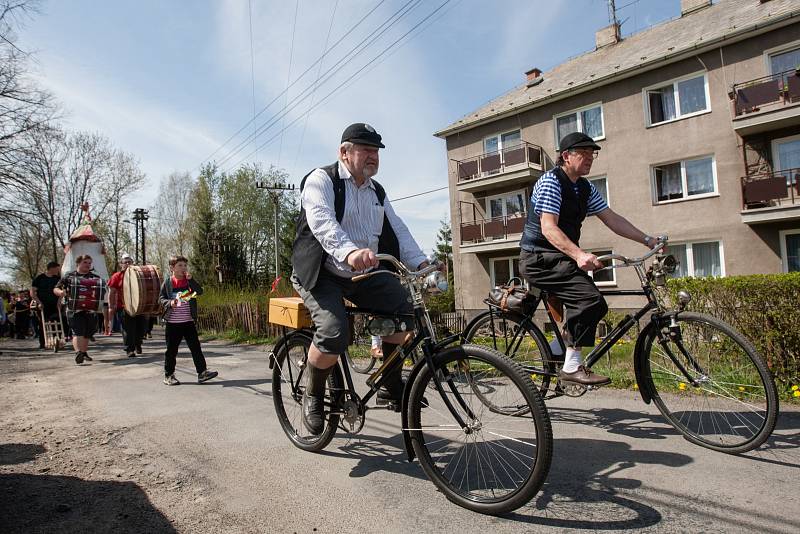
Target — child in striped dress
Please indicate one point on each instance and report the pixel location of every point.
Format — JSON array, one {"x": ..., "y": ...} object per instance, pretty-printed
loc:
[{"x": 180, "y": 313}]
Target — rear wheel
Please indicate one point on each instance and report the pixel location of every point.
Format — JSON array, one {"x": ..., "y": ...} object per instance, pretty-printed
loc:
[
  {"x": 513, "y": 335},
  {"x": 500, "y": 460},
  {"x": 289, "y": 380},
  {"x": 359, "y": 353},
  {"x": 728, "y": 402}
]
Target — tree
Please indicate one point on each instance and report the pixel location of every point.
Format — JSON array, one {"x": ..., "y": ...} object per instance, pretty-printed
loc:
[
  {"x": 170, "y": 231},
  {"x": 201, "y": 222},
  {"x": 443, "y": 252}
]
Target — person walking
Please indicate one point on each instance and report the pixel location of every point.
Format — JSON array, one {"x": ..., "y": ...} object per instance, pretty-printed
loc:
[
  {"x": 42, "y": 294},
  {"x": 177, "y": 298},
  {"x": 84, "y": 291},
  {"x": 133, "y": 326}
]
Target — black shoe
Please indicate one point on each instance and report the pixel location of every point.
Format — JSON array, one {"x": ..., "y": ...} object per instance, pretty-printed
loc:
[
  {"x": 131, "y": 355},
  {"x": 314, "y": 413},
  {"x": 79, "y": 358},
  {"x": 139, "y": 349},
  {"x": 206, "y": 376},
  {"x": 91, "y": 338},
  {"x": 87, "y": 357}
]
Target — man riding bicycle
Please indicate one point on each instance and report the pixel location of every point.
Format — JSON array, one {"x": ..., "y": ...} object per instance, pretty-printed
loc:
[
  {"x": 551, "y": 258},
  {"x": 345, "y": 219}
]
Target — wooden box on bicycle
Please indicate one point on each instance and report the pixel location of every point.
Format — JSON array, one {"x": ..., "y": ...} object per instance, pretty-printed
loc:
[{"x": 289, "y": 311}]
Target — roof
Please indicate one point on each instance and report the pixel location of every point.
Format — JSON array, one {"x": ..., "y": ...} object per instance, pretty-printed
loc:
[{"x": 724, "y": 21}]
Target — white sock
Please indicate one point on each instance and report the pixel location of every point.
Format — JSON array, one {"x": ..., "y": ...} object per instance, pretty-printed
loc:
[
  {"x": 572, "y": 360},
  {"x": 555, "y": 348}
]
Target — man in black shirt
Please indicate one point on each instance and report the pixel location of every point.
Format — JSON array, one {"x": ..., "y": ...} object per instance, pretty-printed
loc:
[{"x": 42, "y": 294}]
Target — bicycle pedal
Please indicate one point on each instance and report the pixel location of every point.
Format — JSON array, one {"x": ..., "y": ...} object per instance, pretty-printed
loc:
[{"x": 387, "y": 404}]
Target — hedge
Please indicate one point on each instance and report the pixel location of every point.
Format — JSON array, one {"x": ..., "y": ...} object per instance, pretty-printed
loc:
[{"x": 764, "y": 308}]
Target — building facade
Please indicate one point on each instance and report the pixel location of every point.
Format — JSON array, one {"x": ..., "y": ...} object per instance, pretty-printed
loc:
[{"x": 699, "y": 123}]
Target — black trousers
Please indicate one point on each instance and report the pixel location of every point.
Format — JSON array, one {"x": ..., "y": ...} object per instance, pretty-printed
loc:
[
  {"x": 559, "y": 275},
  {"x": 133, "y": 331},
  {"x": 175, "y": 332}
]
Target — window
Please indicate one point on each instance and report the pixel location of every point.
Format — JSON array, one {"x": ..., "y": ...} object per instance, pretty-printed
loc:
[
  {"x": 588, "y": 120},
  {"x": 499, "y": 142},
  {"x": 784, "y": 61},
  {"x": 698, "y": 259},
  {"x": 790, "y": 250},
  {"x": 501, "y": 270},
  {"x": 606, "y": 277},
  {"x": 601, "y": 186},
  {"x": 677, "y": 99},
  {"x": 786, "y": 157},
  {"x": 684, "y": 179},
  {"x": 506, "y": 205}
]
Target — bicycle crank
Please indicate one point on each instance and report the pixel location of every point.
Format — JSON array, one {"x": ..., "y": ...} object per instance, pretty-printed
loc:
[{"x": 353, "y": 416}]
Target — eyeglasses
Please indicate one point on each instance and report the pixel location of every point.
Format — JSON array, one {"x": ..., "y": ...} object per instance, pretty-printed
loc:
[{"x": 586, "y": 153}]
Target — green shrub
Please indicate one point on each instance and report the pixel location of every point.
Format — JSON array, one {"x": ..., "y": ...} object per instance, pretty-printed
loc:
[{"x": 764, "y": 308}]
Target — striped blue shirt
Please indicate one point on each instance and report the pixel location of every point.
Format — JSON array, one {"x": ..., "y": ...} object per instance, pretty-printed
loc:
[{"x": 546, "y": 196}]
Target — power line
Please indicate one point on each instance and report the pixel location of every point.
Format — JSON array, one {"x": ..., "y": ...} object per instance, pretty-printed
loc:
[
  {"x": 332, "y": 71},
  {"x": 348, "y": 32},
  {"x": 271, "y": 139},
  {"x": 420, "y": 194},
  {"x": 289, "y": 71}
]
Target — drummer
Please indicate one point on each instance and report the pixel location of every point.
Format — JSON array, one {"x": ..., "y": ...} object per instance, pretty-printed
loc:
[
  {"x": 82, "y": 322},
  {"x": 133, "y": 326}
]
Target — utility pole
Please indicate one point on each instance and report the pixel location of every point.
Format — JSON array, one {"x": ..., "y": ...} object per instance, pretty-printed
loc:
[
  {"x": 139, "y": 217},
  {"x": 217, "y": 244},
  {"x": 274, "y": 191}
]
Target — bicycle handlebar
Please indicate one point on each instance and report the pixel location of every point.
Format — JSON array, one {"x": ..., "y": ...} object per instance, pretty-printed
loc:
[
  {"x": 400, "y": 267},
  {"x": 661, "y": 242}
]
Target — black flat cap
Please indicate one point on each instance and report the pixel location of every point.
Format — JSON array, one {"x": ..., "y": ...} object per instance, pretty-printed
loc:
[
  {"x": 577, "y": 140},
  {"x": 362, "y": 134}
]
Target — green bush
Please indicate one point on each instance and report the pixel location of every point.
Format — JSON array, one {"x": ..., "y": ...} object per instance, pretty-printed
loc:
[{"x": 764, "y": 308}]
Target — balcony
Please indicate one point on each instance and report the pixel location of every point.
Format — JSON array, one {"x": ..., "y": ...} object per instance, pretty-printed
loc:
[
  {"x": 487, "y": 235},
  {"x": 515, "y": 164},
  {"x": 766, "y": 103},
  {"x": 771, "y": 197}
]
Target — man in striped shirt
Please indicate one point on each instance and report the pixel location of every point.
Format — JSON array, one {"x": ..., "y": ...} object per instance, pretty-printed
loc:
[
  {"x": 345, "y": 219},
  {"x": 551, "y": 258}
]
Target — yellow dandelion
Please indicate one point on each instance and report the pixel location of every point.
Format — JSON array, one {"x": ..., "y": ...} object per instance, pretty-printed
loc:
[
  {"x": 682, "y": 386},
  {"x": 741, "y": 388},
  {"x": 796, "y": 394},
  {"x": 795, "y": 388},
  {"x": 636, "y": 386}
]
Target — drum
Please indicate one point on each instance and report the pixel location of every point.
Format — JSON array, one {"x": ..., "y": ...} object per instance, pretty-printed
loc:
[
  {"x": 86, "y": 294},
  {"x": 140, "y": 288}
]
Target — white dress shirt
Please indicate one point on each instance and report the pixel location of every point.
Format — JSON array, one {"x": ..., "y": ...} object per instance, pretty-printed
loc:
[{"x": 360, "y": 226}]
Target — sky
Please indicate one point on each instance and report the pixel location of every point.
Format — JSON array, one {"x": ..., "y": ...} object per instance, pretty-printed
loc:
[{"x": 171, "y": 81}]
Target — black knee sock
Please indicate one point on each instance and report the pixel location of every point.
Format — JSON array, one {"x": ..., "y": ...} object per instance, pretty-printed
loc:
[{"x": 317, "y": 378}]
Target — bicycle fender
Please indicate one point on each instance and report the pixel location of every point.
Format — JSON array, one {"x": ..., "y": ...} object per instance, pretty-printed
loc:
[
  {"x": 638, "y": 363},
  {"x": 404, "y": 407}
]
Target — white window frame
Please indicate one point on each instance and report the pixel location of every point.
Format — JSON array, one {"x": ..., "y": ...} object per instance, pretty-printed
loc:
[
  {"x": 499, "y": 137},
  {"x": 510, "y": 259},
  {"x": 787, "y": 47},
  {"x": 774, "y": 147},
  {"x": 684, "y": 187},
  {"x": 613, "y": 281},
  {"x": 524, "y": 193},
  {"x": 602, "y": 177},
  {"x": 577, "y": 112},
  {"x": 690, "y": 254},
  {"x": 785, "y": 253},
  {"x": 674, "y": 82}
]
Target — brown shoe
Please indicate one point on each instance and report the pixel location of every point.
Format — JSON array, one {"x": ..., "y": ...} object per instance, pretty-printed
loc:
[
  {"x": 376, "y": 353},
  {"x": 584, "y": 376}
]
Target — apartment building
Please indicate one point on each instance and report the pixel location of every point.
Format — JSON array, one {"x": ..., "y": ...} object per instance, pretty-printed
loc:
[{"x": 699, "y": 123}]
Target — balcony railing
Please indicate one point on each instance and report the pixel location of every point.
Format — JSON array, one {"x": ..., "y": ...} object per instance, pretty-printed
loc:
[
  {"x": 481, "y": 230},
  {"x": 773, "y": 189},
  {"x": 499, "y": 161},
  {"x": 769, "y": 91}
]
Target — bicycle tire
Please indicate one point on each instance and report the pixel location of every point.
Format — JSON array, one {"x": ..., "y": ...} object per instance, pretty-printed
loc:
[
  {"x": 500, "y": 331},
  {"x": 358, "y": 352},
  {"x": 287, "y": 389},
  {"x": 500, "y": 476},
  {"x": 734, "y": 406}
]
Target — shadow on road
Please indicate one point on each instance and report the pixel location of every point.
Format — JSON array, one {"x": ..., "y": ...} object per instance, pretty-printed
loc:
[
  {"x": 377, "y": 453},
  {"x": 581, "y": 491},
  {"x": 636, "y": 425},
  {"x": 783, "y": 447},
  {"x": 50, "y": 503}
]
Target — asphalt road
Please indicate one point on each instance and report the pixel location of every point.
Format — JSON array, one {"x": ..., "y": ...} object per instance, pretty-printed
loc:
[{"x": 616, "y": 466}]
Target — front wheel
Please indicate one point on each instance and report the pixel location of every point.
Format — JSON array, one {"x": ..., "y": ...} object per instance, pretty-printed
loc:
[
  {"x": 498, "y": 461},
  {"x": 710, "y": 383},
  {"x": 289, "y": 380}
]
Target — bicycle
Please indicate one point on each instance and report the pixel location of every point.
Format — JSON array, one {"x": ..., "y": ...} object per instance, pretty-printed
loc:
[
  {"x": 485, "y": 461},
  {"x": 705, "y": 378},
  {"x": 359, "y": 352}
]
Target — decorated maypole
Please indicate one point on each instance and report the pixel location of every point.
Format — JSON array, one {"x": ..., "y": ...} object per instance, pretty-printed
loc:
[{"x": 84, "y": 241}]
